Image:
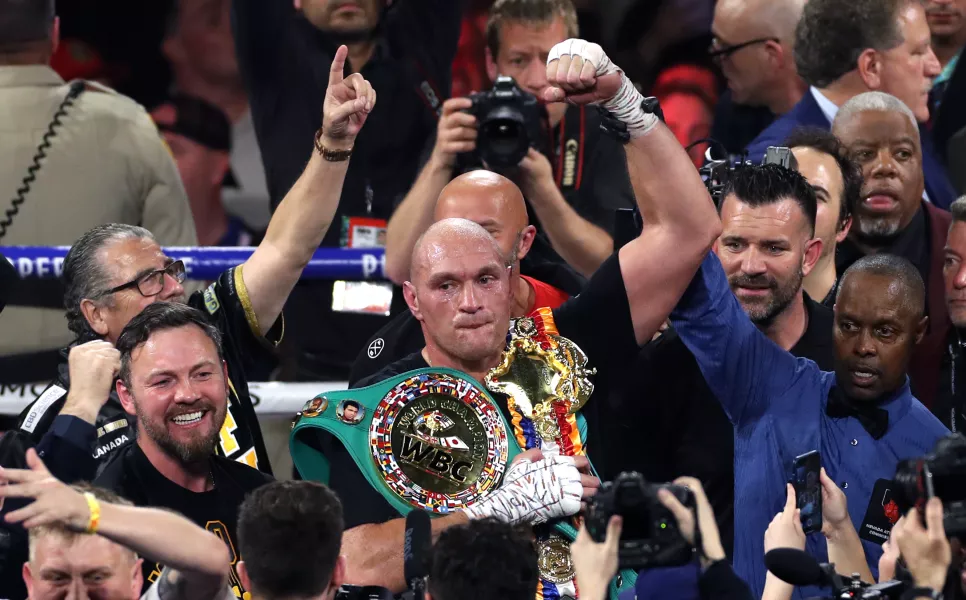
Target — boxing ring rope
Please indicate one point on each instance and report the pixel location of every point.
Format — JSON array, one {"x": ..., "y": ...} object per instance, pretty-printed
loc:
[{"x": 206, "y": 263}]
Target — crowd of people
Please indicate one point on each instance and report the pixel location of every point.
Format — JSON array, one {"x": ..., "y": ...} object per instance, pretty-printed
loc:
[{"x": 762, "y": 313}]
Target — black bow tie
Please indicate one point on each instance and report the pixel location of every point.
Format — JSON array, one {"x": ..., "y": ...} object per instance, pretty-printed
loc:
[{"x": 874, "y": 419}]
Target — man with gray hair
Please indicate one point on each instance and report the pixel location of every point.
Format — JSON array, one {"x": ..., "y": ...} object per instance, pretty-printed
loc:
[
  {"x": 950, "y": 404},
  {"x": 844, "y": 48},
  {"x": 880, "y": 135},
  {"x": 115, "y": 271}
]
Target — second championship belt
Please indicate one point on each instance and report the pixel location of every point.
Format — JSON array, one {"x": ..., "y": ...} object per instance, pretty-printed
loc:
[{"x": 547, "y": 381}]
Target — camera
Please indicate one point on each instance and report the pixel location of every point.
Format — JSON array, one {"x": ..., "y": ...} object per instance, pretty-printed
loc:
[
  {"x": 800, "y": 569},
  {"x": 509, "y": 120},
  {"x": 650, "y": 536},
  {"x": 716, "y": 172},
  {"x": 941, "y": 474},
  {"x": 363, "y": 592},
  {"x": 853, "y": 587}
]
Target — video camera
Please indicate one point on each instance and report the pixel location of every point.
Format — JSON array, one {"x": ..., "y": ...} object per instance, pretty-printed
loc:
[
  {"x": 716, "y": 172},
  {"x": 650, "y": 536},
  {"x": 941, "y": 474},
  {"x": 800, "y": 568},
  {"x": 510, "y": 121}
]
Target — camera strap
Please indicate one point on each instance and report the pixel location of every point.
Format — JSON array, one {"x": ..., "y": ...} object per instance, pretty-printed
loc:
[
  {"x": 424, "y": 87},
  {"x": 569, "y": 167}
]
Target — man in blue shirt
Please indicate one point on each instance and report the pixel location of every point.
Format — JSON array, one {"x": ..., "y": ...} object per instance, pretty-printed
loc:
[{"x": 782, "y": 407}]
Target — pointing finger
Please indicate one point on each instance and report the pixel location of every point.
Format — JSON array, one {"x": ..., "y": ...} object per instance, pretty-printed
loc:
[{"x": 338, "y": 65}]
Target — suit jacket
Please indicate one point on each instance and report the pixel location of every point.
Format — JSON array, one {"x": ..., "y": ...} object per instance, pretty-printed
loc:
[
  {"x": 807, "y": 113},
  {"x": 926, "y": 361}
]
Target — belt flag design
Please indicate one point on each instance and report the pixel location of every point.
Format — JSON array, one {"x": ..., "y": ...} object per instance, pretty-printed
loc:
[{"x": 439, "y": 442}]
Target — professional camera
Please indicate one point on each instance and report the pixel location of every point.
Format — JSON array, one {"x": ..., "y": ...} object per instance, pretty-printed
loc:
[
  {"x": 941, "y": 474},
  {"x": 800, "y": 568},
  {"x": 510, "y": 121},
  {"x": 716, "y": 172},
  {"x": 650, "y": 536}
]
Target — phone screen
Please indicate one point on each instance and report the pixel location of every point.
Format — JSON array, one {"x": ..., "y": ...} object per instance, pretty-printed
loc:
[{"x": 808, "y": 489}]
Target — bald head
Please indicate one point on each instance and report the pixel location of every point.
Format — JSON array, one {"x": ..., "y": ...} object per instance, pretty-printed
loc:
[
  {"x": 486, "y": 198},
  {"x": 452, "y": 237},
  {"x": 765, "y": 18}
]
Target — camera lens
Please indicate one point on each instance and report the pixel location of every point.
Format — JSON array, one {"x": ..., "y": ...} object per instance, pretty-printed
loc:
[{"x": 503, "y": 137}]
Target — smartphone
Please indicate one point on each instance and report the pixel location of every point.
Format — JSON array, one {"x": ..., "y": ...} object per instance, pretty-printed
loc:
[{"x": 806, "y": 471}]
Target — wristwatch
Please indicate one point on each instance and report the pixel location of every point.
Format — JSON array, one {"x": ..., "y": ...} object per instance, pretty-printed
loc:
[
  {"x": 330, "y": 155},
  {"x": 922, "y": 592}
]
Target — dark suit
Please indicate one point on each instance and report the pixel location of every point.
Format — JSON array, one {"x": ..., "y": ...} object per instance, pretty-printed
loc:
[{"x": 808, "y": 113}]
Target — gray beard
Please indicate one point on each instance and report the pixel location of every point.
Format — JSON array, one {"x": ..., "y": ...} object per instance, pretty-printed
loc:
[{"x": 876, "y": 231}]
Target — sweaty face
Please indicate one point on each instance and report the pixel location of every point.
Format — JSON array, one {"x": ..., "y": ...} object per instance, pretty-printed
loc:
[
  {"x": 954, "y": 274},
  {"x": 947, "y": 18},
  {"x": 90, "y": 566},
  {"x": 762, "y": 251},
  {"x": 179, "y": 391},
  {"x": 908, "y": 69},
  {"x": 875, "y": 333},
  {"x": 886, "y": 146},
  {"x": 823, "y": 173},
  {"x": 464, "y": 298},
  {"x": 522, "y": 55},
  {"x": 125, "y": 261},
  {"x": 346, "y": 17},
  {"x": 745, "y": 69}
]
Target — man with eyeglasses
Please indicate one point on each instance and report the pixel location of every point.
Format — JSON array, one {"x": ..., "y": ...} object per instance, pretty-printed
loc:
[
  {"x": 753, "y": 46},
  {"x": 114, "y": 271}
]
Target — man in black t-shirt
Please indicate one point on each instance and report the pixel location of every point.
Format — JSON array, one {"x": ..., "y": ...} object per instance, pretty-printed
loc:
[
  {"x": 174, "y": 382},
  {"x": 459, "y": 291},
  {"x": 114, "y": 271}
]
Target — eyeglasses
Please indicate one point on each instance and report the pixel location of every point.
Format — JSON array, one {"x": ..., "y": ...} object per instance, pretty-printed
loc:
[
  {"x": 718, "y": 52},
  {"x": 151, "y": 284}
]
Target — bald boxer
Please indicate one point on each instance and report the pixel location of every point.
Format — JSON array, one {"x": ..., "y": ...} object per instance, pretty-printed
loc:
[
  {"x": 460, "y": 292},
  {"x": 496, "y": 204}
]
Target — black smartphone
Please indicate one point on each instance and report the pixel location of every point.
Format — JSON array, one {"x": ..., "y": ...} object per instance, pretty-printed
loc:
[{"x": 806, "y": 478}]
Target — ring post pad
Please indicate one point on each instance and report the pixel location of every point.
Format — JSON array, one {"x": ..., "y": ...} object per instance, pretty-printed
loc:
[{"x": 432, "y": 439}]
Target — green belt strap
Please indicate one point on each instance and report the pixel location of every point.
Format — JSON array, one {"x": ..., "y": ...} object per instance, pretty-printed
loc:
[{"x": 314, "y": 466}]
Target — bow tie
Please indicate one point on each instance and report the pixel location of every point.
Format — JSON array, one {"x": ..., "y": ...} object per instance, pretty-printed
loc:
[{"x": 875, "y": 420}]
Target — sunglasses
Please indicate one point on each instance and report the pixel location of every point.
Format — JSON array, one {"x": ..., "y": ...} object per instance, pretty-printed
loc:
[
  {"x": 719, "y": 52},
  {"x": 151, "y": 284}
]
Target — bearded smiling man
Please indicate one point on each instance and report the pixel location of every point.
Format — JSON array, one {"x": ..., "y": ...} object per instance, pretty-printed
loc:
[{"x": 174, "y": 380}]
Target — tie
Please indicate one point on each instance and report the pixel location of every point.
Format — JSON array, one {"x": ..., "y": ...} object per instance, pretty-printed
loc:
[{"x": 874, "y": 419}]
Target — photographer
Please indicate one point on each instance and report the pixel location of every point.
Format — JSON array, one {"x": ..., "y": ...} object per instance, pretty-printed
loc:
[
  {"x": 573, "y": 187},
  {"x": 596, "y": 564}
]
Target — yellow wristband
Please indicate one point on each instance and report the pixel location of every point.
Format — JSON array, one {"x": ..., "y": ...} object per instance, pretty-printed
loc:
[{"x": 95, "y": 507}]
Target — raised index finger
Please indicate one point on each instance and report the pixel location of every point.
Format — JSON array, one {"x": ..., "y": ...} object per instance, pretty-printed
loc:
[{"x": 338, "y": 65}]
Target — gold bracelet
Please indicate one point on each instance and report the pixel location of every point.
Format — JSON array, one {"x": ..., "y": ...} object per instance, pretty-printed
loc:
[{"x": 95, "y": 507}]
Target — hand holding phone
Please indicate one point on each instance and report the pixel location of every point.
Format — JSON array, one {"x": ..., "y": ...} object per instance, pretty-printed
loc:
[{"x": 806, "y": 479}]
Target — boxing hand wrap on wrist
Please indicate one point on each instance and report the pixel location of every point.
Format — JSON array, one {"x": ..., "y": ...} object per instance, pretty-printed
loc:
[
  {"x": 625, "y": 105},
  {"x": 533, "y": 492}
]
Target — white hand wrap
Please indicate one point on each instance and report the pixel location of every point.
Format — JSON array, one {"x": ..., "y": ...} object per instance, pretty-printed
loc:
[
  {"x": 533, "y": 492},
  {"x": 626, "y": 103}
]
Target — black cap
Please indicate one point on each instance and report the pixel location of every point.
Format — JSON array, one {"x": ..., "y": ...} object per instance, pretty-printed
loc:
[{"x": 196, "y": 120}]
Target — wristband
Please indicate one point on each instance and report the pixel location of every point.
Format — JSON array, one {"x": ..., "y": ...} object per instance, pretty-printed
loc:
[
  {"x": 327, "y": 154},
  {"x": 95, "y": 508}
]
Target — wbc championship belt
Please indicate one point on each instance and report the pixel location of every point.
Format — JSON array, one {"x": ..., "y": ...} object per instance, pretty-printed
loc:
[
  {"x": 546, "y": 380},
  {"x": 431, "y": 439}
]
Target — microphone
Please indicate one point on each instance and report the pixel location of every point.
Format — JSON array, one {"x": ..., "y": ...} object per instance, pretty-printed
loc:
[
  {"x": 416, "y": 546},
  {"x": 794, "y": 566}
]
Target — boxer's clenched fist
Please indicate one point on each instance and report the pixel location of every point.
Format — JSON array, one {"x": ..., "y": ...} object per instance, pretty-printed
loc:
[{"x": 580, "y": 73}]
